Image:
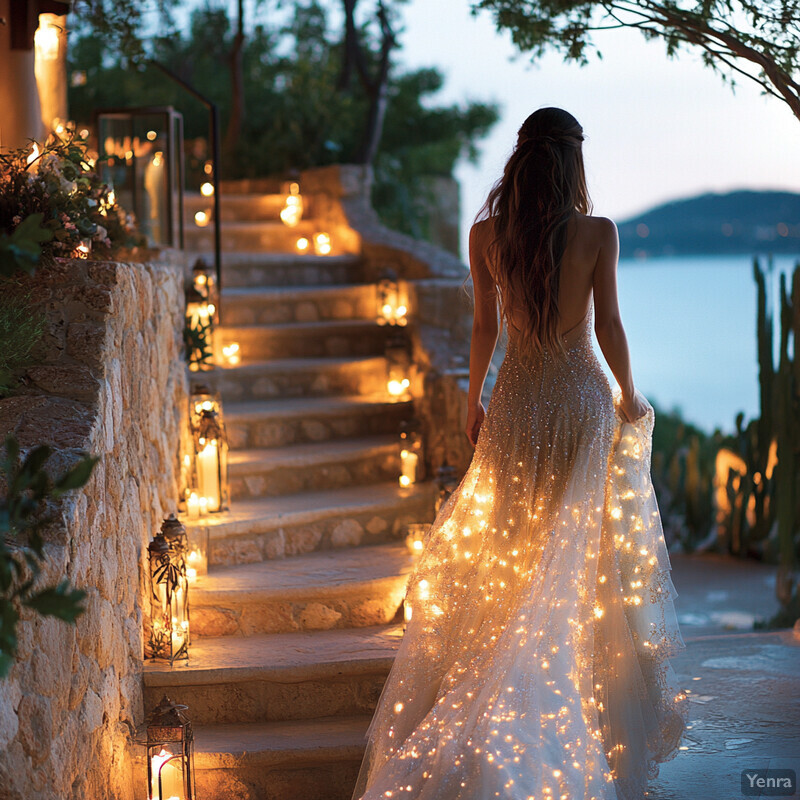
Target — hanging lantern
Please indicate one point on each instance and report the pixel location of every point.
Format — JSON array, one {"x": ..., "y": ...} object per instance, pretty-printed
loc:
[
  {"x": 170, "y": 753},
  {"x": 447, "y": 482},
  {"x": 392, "y": 309},
  {"x": 410, "y": 453},
  {"x": 398, "y": 364},
  {"x": 211, "y": 450},
  {"x": 170, "y": 593}
]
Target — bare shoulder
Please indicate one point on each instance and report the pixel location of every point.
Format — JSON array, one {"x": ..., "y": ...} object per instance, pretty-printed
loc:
[
  {"x": 481, "y": 232},
  {"x": 600, "y": 229}
]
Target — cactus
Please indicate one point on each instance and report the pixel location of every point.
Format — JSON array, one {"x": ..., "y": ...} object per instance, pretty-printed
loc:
[
  {"x": 763, "y": 503},
  {"x": 786, "y": 429}
]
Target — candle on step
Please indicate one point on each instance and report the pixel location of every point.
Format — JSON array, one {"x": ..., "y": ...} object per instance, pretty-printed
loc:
[
  {"x": 193, "y": 506},
  {"x": 231, "y": 354},
  {"x": 203, "y": 503},
  {"x": 408, "y": 466},
  {"x": 208, "y": 473}
]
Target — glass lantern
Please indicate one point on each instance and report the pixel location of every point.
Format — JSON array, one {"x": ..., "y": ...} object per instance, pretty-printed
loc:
[
  {"x": 398, "y": 364},
  {"x": 170, "y": 753},
  {"x": 211, "y": 450},
  {"x": 392, "y": 307},
  {"x": 410, "y": 453},
  {"x": 140, "y": 155},
  {"x": 204, "y": 282},
  {"x": 169, "y": 640}
]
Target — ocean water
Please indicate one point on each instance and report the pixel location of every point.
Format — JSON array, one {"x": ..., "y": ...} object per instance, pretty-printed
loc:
[{"x": 691, "y": 326}]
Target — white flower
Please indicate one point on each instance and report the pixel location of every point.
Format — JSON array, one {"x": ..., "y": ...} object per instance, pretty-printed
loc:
[{"x": 100, "y": 234}]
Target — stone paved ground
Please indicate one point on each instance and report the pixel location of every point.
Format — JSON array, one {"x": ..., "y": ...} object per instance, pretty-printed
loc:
[{"x": 745, "y": 685}]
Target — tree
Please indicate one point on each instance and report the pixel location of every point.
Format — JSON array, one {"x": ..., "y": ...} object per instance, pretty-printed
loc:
[
  {"x": 374, "y": 82},
  {"x": 758, "y": 39},
  {"x": 298, "y": 114}
]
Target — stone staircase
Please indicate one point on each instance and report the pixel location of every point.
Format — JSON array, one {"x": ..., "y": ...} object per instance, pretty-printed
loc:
[{"x": 296, "y": 624}]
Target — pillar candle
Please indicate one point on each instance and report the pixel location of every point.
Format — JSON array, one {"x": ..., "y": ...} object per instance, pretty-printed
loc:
[{"x": 208, "y": 474}]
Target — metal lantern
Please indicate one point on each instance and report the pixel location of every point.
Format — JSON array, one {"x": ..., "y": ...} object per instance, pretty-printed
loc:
[
  {"x": 398, "y": 364},
  {"x": 410, "y": 452},
  {"x": 200, "y": 311},
  {"x": 447, "y": 482},
  {"x": 204, "y": 282},
  {"x": 392, "y": 308},
  {"x": 170, "y": 593},
  {"x": 200, "y": 318},
  {"x": 141, "y": 157},
  {"x": 170, "y": 753},
  {"x": 211, "y": 450}
]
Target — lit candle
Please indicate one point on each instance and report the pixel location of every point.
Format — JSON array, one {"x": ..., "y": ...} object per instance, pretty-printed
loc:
[
  {"x": 397, "y": 386},
  {"x": 302, "y": 244},
  {"x": 208, "y": 473},
  {"x": 408, "y": 465},
  {"x": 203, "y": 506},
  {"x": 193, "y": 506},
  {"x": 168, "y": 775},
  {"x": 202, "y": 218},
  {"x": 230, "y": 353},
  {"x": 322, "y": 244}
]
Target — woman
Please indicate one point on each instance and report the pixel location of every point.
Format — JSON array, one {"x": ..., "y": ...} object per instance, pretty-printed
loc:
[{"x": 535, "y": 663}]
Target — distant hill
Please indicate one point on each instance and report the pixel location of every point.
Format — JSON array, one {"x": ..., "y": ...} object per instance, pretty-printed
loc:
[{"x": 742, "y": 222}]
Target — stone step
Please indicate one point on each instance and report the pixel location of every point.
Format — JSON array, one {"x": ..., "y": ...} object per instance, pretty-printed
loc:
[
  {"x": 272, "y": 528},
  {"x": 355, "y": 587},
  {"x": 235, "y": 207},
  {"x": 240, "y": 270},
  {"x": 300, "y": 377},
  {"x": 280, "y": 471},
  {"x": 298, "y": 760},
  {"x": 274, "y": 677},
  {"x": 336, "y": 338},
  {"x": 267, "y": 306},
  {"x": 277, "y": 423},
  {"x": 249, "y": 236}
]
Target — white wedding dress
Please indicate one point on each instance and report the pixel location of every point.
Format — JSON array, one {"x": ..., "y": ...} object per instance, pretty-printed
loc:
[{"x": 535, "y": 664}]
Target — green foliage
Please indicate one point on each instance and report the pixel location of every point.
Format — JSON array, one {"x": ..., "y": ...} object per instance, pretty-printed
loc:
[
  {"x": 21, "y": 328},
  {"x": 682, "y": 470},
  {"x": 764, "y": 497},
  {"x": 53, "y": 194},
  {"x": 297, "y": 113},
  {"x": 23, "y": 516},
  {"x": 754, "y": 38},
  {"x": 197, "y": 344},
  {"x": 21, "y": 250}
]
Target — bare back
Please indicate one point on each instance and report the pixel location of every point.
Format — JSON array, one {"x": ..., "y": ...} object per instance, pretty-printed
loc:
[{"x": 590, "y": 247}]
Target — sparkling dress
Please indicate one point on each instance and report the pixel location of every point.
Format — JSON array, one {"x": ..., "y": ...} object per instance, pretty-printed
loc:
[{"x": 535, "y": 663}]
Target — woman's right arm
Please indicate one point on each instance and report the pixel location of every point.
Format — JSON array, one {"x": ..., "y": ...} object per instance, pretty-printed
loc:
[{"x": 608, "y": 321}]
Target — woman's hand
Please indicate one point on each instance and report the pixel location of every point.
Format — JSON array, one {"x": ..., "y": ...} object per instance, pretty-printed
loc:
[
  {"x": 475, "y": 415},
  {"x": 632, "y": 407}
]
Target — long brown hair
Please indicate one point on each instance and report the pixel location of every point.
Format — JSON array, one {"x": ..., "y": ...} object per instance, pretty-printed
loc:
[{"x": 543, "y": 183}]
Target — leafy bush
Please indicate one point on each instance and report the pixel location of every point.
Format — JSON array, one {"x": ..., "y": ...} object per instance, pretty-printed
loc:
[
  {"x": 57, "y": 181},
  {"x": 22, "y": 519}
]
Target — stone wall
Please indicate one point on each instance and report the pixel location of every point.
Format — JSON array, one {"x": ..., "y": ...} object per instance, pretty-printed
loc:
[
  {"x": 110, "y": 381},
  {"x": 440, "y": 295}
]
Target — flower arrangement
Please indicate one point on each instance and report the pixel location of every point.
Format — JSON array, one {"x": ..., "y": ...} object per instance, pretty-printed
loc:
[{"x": 58, "y": 181}]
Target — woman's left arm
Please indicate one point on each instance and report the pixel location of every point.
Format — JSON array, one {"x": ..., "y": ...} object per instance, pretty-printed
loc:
[{"x": 485, "y": 328}]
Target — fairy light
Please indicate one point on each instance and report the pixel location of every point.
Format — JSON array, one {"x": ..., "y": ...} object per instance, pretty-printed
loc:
[{"x": 473, "y": 561}]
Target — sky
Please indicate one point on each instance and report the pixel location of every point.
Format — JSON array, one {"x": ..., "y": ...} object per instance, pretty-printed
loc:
[{"x": 657, "y": 129}]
